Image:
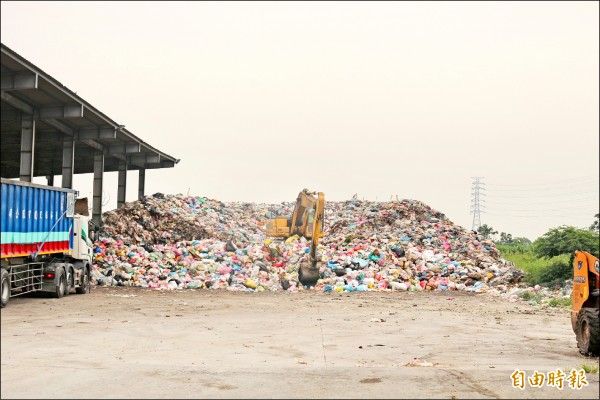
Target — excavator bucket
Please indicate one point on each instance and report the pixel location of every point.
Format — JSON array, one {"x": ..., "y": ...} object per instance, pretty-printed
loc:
[{"x": 309, "y": 273}]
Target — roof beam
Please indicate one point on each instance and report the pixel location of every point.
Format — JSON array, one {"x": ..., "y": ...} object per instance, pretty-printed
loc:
[
  {"x": 87, "y": 137},
  {"x": 124, "y": 148},
  {"x": 16, "y": 103},
  {"x": 121, "y": 157},
  {"x": 44, "y": 113},
  {"x": 100, "y": 148},
  {"x": 162, "y": 164},
  {"x": 143, "y": 159},
  {"x": 59, "y": 125},
  {"x": 70, "y": 111},
  {"x": 92, "y": 133},
  {"x": 20, "y": 81},
  {"x": 90, "y": 152},
  {"x": 93, "y": 144}
]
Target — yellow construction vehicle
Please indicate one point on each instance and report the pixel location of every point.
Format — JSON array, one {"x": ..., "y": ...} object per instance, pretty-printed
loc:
[
  {"x": 306, "y": 220},
  {"x": 586, "y": 296}
]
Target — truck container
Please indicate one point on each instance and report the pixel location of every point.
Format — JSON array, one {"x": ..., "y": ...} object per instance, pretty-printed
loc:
[{"x": 44, "y": 244}]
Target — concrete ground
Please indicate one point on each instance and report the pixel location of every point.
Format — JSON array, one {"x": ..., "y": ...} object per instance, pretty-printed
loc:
[{"x": 144, "y": 343}]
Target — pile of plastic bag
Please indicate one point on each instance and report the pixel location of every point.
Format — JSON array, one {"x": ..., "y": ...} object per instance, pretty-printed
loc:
[{"x": 175, "y": 242}]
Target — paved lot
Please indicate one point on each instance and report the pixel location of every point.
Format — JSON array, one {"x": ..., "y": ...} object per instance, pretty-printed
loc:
[{"x": 135, "y": 343}]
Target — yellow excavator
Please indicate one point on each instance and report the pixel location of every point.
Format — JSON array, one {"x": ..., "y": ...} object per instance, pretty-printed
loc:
[
  {"x": 586, "y": 298},
  {"x": 306, "y": 220}
]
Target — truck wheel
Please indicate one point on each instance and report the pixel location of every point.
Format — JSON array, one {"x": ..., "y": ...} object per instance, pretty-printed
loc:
[
  {"x": 588, "y": 332},
  {"x": 68, "y": 282},
  {"x": 85, "y": 284},
  {"x": 59, "y": 291},
  {"x": 4, "y": 288}
]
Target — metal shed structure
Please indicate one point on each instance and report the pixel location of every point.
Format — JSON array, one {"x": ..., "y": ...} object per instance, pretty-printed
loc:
[{"x": 47, "y": 130}]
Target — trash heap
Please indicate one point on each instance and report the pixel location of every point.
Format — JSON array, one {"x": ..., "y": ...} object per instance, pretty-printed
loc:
[
  {"x": 170, "y": 219},
  {"x": 176, "y": 242}
]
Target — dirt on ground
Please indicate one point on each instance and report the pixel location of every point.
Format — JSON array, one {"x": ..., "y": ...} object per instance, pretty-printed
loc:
[{"x": 142, "y": 343}]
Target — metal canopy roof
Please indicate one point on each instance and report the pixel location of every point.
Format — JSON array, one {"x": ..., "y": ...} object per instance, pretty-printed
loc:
[{"x": 60, "y": 114}]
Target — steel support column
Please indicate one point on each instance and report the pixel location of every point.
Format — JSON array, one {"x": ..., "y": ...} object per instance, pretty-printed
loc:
[
  {"x": 141, "y": 183},
  {"x": 97, "y": 194},
  {"x": 68, "y": 163},
  {"x": 27, "y": 146},
  {"x": 122, "y": 184}
]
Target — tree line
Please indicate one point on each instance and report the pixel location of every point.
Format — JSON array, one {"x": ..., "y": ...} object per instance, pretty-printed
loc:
[{"x": 556, "y": 248}]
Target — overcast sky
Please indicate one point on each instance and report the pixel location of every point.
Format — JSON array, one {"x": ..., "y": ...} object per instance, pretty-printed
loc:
[{"x": 262, "y": 99}]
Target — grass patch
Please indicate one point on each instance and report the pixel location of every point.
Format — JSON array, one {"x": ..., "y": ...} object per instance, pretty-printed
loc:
[
  {"x": 526, "y": 295},
  {"x": 590, "y": 369},
  {"x": 533, "y": 298},
  {"x": 542, "y": 271},
  {"x": 564, "y": 302}
]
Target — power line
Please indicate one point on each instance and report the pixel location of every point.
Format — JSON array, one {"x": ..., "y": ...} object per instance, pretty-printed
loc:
[
  {"x": 574, "y": 182},
  {"x": 514, "y": 223},
  {"x": 545, "y": 215},
  {"x": 567, "y": 211},
  {"x": 542, "y": 199},
  {"x": 522, "y": 207},
  {"x": 542, "y": 203},
  {"x": 540, "y": 193},
  {"x": 531, "y": 188}
]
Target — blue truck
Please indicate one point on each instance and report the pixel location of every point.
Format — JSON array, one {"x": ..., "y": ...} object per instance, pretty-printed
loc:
[{"x": 44, "y": 242}]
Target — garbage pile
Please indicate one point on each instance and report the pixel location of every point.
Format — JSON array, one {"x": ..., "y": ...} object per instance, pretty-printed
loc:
[
  {"x": 170, "y": 219},
  {"x": 176, "y": 242}
]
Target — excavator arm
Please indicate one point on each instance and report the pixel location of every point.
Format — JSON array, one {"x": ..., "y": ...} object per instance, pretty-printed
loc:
[
  {"x": 306, "y": 220},
  {"x": 317, "y": 227}
]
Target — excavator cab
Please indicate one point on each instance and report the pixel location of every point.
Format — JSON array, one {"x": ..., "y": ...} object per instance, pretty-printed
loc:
[
  {"x": 586, "y": 299},
  {"x": 306, "y": 220}
]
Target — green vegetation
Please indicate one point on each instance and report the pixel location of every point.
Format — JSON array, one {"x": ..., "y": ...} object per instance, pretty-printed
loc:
[
  {"x": 565, "y": 240},
  {"x": 596, "y": 224},
  {"x": 590, "y": 369},
  {"x": 548, "y": 261},
  {"x": 540, "y": 271},
  {"x": 526, "y": 295},
  {"x": 533, "y": 298},
  {"x": 519, "y": 245},
  {"x": 486, "y": 232},
  {"x": 564, "y": 302},
  {"x": 560, "y": 269}
]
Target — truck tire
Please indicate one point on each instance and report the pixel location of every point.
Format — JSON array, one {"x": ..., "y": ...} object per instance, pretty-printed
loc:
[
  {"x": 59, "y": 290},
  {"x": 588, "y": 332},
  {"x": 68, "y": 282},
  {"x": 4, "y": 288},
  {"x": 85, "y": 282}
]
